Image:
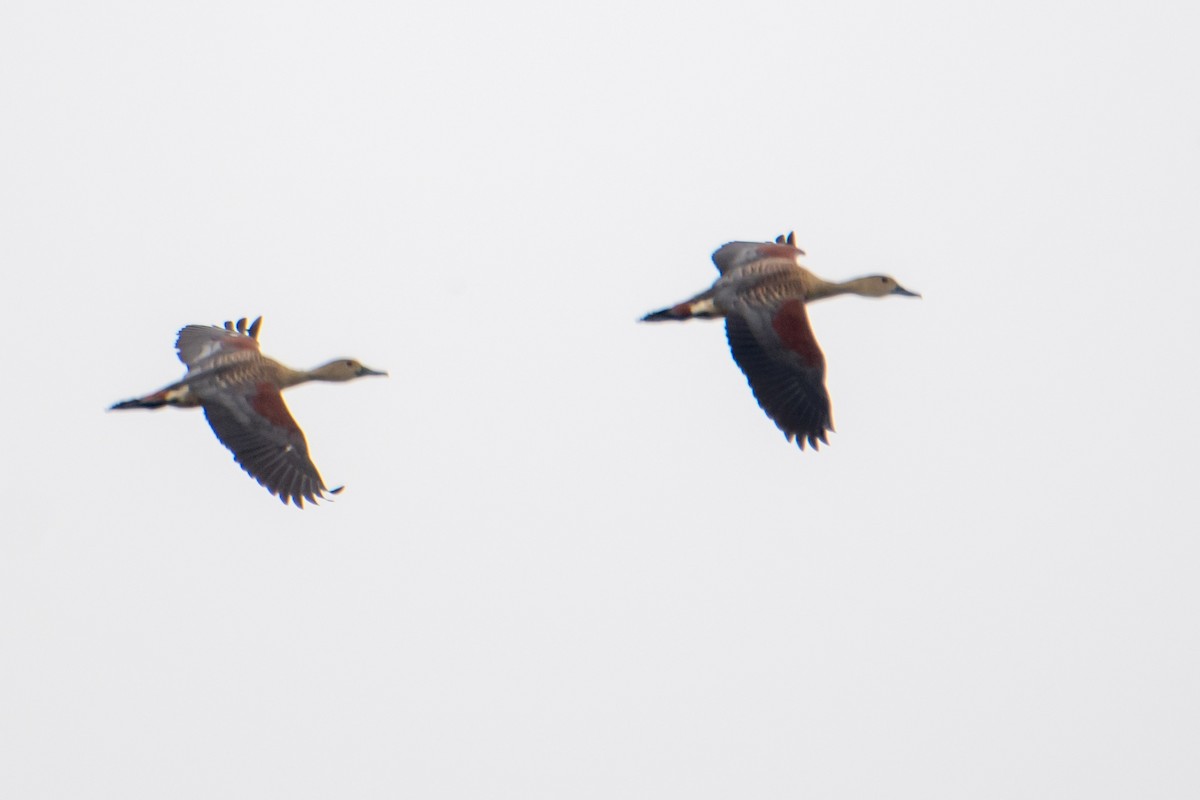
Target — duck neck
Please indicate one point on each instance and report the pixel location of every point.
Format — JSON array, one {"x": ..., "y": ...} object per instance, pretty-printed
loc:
[
  {"x": 822, "y": 289},
  {"x": 295, "y": 377}
]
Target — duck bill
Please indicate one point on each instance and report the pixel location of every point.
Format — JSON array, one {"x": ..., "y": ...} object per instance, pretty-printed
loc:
[
  {"x": 369, "y": 371},
  {"x": 901, "y": 290}
]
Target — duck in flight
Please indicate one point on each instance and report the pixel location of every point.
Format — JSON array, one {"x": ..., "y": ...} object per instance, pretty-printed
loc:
[
  {"x": 761, "y": 293},
  {"x": 240, "y": 391}
]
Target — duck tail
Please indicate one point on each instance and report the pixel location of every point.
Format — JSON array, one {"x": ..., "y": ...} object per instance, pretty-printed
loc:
[
  {"x": 698, "y": 307},
  {"x": 155, "y": 400}
]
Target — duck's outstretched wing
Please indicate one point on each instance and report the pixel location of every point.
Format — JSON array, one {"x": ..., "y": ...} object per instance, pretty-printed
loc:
[
  {"x": 738, "y": 254},
  {"x": 265, "y": 440},
  {"x": 203, "y": 347},
  {"x": 776, "y": 349}
]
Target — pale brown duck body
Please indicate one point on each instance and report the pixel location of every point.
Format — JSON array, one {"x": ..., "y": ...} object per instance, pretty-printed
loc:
[
  {"x": 240, "y": 391},
  {"x": 761, "y": 293}
]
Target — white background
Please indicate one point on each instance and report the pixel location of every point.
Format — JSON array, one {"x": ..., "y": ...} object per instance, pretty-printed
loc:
[{"x": 573, "y": 558}]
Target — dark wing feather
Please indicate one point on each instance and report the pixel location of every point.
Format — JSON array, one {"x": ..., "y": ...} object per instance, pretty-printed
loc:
[
  {"x": 273, "y": 450},
  {"x": 789, "y": 384}
]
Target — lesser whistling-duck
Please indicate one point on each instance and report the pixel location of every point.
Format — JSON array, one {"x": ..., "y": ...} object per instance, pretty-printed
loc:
[
  {"x": 240, "y": 391},
  {"x": 761, "y": 293}
]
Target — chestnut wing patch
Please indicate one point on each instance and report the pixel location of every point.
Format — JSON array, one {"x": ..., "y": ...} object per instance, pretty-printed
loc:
[
  {"x": 268, "y": 403},
  {"x": 795, "y": 333}
]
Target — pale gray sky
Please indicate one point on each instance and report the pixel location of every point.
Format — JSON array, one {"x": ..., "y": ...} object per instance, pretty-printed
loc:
[{"x": 573, "y": 558}]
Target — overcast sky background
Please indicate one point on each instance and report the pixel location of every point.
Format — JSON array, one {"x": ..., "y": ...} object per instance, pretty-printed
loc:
[{"x": 573, "y": 558}]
